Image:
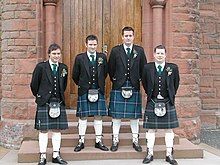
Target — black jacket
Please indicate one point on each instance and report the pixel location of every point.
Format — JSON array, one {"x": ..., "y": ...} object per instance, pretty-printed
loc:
[
  {"x": 172, "y": 80},
  {"x": 117, "y": 66},
  {"x": 81, "y": 72},
  {"x": 42, "y": 82}
]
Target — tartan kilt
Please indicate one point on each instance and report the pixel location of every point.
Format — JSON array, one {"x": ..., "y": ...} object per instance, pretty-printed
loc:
[
  {"x": 44, "y": 122},
  {"x": 151, "y": 121},
  {"x": 119, "y": 107},
  {"x": 85, "y": 108}
]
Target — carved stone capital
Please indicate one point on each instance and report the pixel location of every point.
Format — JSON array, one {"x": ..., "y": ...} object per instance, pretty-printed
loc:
[
  {"x": 50, "y": 2},
  {"x": 161, "y": 3}
]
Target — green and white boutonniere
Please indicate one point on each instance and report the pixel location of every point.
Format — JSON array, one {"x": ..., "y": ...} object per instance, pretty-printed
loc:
[
  {"x": 135, "y": 53},
  {"x": 63, "y": 73},
  {"x": 169, "y": 71},
  {"x": 100, "y": 61}
]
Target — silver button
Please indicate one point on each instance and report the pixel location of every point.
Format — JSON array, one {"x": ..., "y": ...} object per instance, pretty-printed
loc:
[
  {"x": 93, "y": 79},
  {"x": 159, "y": 89},
  {"x": 49, "y": 91},
  {"x": 125, "y": 74},
  {"x": 89, "y": 82}
]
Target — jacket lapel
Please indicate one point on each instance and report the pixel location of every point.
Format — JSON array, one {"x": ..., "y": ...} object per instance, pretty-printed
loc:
[
  {"x": 167, "y": 77},
  {"x": 123, "y": 56},
  {"x": 98, "y": 65},
  {"x": 86, "y": 63},
  {"x": 48, "y": 71},
  {"x": 152, "y": 71},
  {"x": 132, "y": 55}
]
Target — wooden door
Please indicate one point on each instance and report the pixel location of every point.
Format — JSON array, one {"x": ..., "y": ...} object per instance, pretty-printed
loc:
[{"x": 104, "y": 18}]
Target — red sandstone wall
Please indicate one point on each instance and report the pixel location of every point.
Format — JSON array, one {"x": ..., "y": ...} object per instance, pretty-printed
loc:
[
  {"x": 210, "y": 63},
  {"x": 19, "y": 57}
]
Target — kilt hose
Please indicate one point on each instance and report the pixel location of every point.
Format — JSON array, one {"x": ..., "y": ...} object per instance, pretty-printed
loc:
[
  {"x": 168, "y": 121},
  {"x": 119, "y": 107},
  {"x": 85, "y": 108},
  {"x": 44, "y": 122}
]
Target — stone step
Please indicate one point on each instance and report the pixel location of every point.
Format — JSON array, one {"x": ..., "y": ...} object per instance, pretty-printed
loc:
[
  {"x": 29, "y": 152},
  {"x": 71, "y": 140}
]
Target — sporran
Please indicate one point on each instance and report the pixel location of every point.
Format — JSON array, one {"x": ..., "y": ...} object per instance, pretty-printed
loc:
[
  {"x": 93, "y": 95},
  {"x": 54, "y": 109},
  {"x": 160, "y": 109},
  {"x": 126, "y": 92}
]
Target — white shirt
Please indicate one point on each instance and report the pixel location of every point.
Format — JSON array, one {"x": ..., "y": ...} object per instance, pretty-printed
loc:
[
  {"x": 90, "y": 58},
  {"x": 125, "y": 47},
  {"x": 51, "y": 64},
  {"x": 163, "y": 65}
]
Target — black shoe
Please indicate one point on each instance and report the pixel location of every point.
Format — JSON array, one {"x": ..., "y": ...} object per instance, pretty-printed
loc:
[
  {"x": 114, "y": 146},
  {"x": 42, "y": 160},
  {"x": 101, "y": 146},
  {"x": 137, "y": 147},
  {"x": 79, "y": 147},
  {"x": 58, "y": 160},
  {"x": 171, "y": 160},
  {"x": 148, "y": 158}
]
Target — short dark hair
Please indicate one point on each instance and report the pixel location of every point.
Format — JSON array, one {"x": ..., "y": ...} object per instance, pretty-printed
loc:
[
  {"x": 91, "y": 37},
  {"x": 160, "y": 47},
  {"x": 127, "y": 28},
  {"x": 52, "y": 47}
]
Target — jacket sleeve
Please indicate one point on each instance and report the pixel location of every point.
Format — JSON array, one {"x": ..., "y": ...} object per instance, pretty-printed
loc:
[
  {"x": 142, "y": 62},
  {"x": 144, "y": 78},
  {"x": 76, "y": 70},
  {"x": 176, "y": 78},
  {"x": 111, "y": 65},
  {"x": 36, "y": 79}
]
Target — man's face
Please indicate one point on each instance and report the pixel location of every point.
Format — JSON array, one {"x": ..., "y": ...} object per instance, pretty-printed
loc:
[
  {"x": 160, "y": 56},
  {"x": 91, "y": 46},
  {"x": 55, "y": 55},
  {"x": 128, "y": 38}
]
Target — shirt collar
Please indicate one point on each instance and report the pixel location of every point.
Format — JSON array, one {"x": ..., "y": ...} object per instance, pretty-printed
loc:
[
  {"x": 163, "y": 65},
  {"x": 88, "y": 54},
  {"x": 125, "y": 47},
  {"x": 51, "y": 63}
]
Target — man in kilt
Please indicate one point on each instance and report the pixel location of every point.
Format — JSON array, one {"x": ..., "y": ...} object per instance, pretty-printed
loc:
[
  {"x": 125, "y": 66},
  {"x": 48, "y": 84},
  {"x": 160, "y": 81},
  {"x": 89, "y": 73}
]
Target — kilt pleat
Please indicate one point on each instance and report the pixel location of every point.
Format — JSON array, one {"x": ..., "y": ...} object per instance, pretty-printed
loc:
[
  {"x": 151, "y": 121},
  {"x": 86, "y": 108},
  {"x": 119, "y": 107},
  {"x": 44, "y": 122}
]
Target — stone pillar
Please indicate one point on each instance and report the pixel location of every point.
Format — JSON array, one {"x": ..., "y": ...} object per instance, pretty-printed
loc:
[
  {"x": 18, "y": 50},
  {"x": 157, "y": 6},
  {"x": 50, "y": 21}
]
